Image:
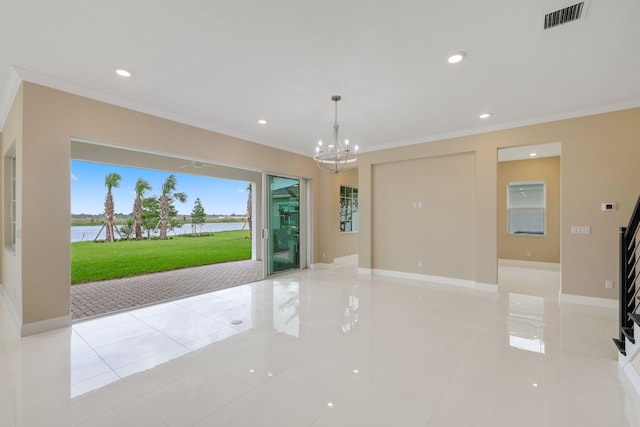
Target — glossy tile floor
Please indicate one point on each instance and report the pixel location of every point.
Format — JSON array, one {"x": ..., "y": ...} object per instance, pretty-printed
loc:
[{"x": 324, "y": 348}]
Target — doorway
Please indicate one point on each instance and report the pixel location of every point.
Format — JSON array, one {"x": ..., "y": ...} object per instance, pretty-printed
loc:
[
  {"x": 528, "y": 219},
  {"x": 284, "y": 224}
]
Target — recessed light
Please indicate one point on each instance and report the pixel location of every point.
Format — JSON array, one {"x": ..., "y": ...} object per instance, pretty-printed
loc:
[
  {"x": 456, "y": 57},
  {"x": 485, "y": 115},
  {"x": 533, "y": 154},
  {"x": 123, "y": 72},
  {"x": 262, "y": 121}
]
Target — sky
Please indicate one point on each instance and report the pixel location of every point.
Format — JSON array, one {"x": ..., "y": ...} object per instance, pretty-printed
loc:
[{"x": 218, "y": 196}]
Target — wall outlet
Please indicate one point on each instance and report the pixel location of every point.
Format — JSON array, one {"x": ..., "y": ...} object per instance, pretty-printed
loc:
[
  {"x": 419, "y": 264},
  {"x": 608, "y": 284},
  {"x": 528, "y": 253}
]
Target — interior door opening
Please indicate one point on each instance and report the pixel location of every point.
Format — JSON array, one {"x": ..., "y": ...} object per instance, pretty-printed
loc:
[{"x": 283, "y": 243}]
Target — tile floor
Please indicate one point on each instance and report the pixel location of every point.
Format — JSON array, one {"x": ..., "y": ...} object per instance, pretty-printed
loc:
[{"x": 324, "y": 348}]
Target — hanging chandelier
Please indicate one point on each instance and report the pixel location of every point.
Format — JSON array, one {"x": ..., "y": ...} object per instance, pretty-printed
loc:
[{"x": 337, "y": 156}]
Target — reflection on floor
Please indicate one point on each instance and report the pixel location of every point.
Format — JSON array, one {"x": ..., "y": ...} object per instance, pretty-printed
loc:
[{"x": 322, "y": 348}]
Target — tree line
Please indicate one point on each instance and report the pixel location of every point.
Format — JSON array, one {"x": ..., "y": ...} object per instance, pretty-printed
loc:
[{"x": 149, "y": 213}]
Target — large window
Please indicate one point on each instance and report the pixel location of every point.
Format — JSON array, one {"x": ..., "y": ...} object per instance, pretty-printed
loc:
[
  {"x": 348, "y": 209},
  {"x": 526, "y": 203}
]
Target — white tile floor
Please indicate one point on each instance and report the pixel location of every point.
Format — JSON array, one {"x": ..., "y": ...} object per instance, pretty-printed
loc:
[{"x": 324, "y": 348}]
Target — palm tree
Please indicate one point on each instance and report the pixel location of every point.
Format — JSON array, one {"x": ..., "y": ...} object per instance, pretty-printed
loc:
[
  {"x": 112, "y": 180},
  {"x": 142, "y": 185},
  {"x": 168, "y": 194}
]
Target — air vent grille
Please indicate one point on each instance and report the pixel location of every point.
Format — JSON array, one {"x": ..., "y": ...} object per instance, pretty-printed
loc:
[{"x": 564, "y": 15}]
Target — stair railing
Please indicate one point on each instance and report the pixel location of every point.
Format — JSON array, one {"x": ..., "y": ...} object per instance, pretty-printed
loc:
[{"x": 629, "y": 287}]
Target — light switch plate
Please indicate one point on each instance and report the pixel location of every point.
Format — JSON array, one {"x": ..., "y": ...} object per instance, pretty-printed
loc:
[{"x": 580, "y": 229}]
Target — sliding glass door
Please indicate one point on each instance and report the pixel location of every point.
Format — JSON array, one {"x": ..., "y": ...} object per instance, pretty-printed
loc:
[{"x": 285, "y": 224}]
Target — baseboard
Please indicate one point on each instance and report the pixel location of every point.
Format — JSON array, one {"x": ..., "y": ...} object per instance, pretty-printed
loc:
[
  {"x": 33, "y": 327},
  {"x": 45, "y": 325},
  {"x": 469, "y": 284},
  {"x": 11, "y": 309},
  {"x": 337, "y": 262},
  {"x": 631, "y": 384},
  {"x": 592, "y": 301},
  {"x": 487, "y": 287},
  {"x": 320, "y": 266},
  {"x": 345, "y": 260},
  {"x": 530, "y": 264}
]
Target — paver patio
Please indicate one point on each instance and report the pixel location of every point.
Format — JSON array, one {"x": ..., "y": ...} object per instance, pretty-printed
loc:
[{"x": 96, "y": 298}]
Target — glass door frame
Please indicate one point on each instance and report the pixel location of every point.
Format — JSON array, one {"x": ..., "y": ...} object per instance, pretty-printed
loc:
[{"x": 303, "y": 226}]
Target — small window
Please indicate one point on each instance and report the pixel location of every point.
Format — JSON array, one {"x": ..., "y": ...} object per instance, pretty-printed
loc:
[
  {"x": 13, "y": 201},
  {"x": 526, "y": 204},
  {"x": 10, "y": 198},
  {"x": 348, "y": 209}
]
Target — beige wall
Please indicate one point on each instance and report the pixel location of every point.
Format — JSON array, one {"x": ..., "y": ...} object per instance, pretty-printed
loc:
[
  {"x": 530, "y": 248},
  {"x": 11, "y": 258},
  {"x": 51, "y": 119},
  {"x": 423, "y": 216},
  {"x": 599, "y": 154},
  {"x": 598, "y": 165}
]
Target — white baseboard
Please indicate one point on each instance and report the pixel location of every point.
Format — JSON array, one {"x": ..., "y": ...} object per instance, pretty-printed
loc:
[
  {"x": 529, "y": 264},
  {"x": 11, "y": 309},
  {"x": 45, "y": 325},
  {"x": 469, "y": 284},
  {"x": 631, "y": 384},
  {"x": 33, "y": 327},
  {"x": 345, "y": 260},
  {"x": 592, "y": 301},
  {"x": 337, "y": 262},
  {"x": 320, "y": 266},
  {"x": 487, "y": 287}
]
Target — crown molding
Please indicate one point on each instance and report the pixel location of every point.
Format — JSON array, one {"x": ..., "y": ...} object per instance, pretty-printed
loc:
[{"x": 11, "y": 86}]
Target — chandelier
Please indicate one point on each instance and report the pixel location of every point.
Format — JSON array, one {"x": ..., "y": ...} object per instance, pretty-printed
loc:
[{"x": 337, "y": 156}]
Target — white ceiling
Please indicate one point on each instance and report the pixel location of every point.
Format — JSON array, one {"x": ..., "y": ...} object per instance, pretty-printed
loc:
[
  {"x": 222, "y": 65},
  {"x": 522, "y": 152}
]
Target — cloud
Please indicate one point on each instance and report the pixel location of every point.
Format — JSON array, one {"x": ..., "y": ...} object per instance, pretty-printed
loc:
[{"x": 74, "y": 178}]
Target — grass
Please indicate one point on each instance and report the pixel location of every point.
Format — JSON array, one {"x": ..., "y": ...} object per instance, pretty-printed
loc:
[{"x": 92, "y": 261}]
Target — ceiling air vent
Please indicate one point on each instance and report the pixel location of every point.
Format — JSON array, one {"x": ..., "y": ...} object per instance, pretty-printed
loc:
[{"x": 564, "y": 15}]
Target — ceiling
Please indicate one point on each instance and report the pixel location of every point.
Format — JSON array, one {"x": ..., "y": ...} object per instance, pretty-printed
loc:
[{"x": 223, "y": 65}]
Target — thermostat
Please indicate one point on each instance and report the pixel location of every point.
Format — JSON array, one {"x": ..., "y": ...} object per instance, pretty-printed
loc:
[{"x": 608, "y": 207}]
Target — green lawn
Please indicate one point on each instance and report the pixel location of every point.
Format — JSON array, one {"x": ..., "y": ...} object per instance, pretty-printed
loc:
[{"x": 92, "y": 261}]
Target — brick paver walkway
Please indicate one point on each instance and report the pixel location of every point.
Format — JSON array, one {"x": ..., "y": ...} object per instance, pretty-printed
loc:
[{"x": 93, "y": 299}]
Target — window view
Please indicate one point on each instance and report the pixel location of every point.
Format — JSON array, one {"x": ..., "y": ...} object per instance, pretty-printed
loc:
[
  {"x": 9, "y": 222},
  {"x": 122, "y": 217},
  {"x": 348, "y": 209},
  {"x": 13, "y": 201},
  {"x": 526, "y": 203}
]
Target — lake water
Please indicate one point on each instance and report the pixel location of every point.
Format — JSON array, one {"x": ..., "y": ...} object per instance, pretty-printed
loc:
[{"x": 88, "y": 232}]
